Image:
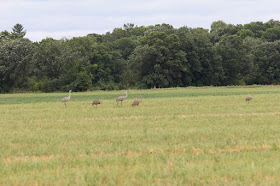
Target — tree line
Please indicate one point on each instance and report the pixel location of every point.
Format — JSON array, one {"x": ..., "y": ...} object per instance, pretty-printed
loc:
[{"x": 143, "y": 57}]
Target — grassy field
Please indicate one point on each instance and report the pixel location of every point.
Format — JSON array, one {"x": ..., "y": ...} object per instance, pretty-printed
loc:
[{"x": 175, "y": 137}]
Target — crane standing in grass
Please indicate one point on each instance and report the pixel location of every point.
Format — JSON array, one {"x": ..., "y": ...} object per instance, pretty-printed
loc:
[
  {"x": 137, "y": 102},
  {"x": 96, "y": 102},
  {"x": 64, "y": 100},
  {"x": 249, "y": 98},
  {"x": 121, "y": 98}
]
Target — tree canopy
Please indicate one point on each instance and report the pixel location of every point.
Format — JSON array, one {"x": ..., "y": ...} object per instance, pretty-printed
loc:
[{"x": 143, "y": 57}]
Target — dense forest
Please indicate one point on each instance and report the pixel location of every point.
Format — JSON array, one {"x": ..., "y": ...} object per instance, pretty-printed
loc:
[{"x": 142, "y": 57}]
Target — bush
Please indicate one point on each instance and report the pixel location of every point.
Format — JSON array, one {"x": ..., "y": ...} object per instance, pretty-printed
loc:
[
  {"x": 51, "y": 86},
  {"x": 33, "y": 84},
  {"x": 82, "y": 83}
]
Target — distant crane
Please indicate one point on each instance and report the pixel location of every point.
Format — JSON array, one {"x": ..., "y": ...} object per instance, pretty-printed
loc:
[
  {"x": 64, "y": 100},
  {"x": 137, "y": 102},
  {"x": 96, "y": 102},
  {"x": 121, "y": 98},
  {"x": 249, "y": 98}
]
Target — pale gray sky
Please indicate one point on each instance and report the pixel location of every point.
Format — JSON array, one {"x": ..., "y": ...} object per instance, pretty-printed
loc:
[{"x": 70, "y": 18}]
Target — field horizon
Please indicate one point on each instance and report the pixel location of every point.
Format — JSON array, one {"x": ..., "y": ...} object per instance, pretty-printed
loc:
[{"x": 176, "y": 136}]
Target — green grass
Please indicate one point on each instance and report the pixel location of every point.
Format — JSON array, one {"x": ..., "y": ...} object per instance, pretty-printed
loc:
[{"x": 176, "y": 136}]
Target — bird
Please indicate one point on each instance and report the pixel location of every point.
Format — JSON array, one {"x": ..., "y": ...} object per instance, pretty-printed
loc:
[
  {"x": 121, "y": 98},
  {"x": 96, "y": 102},
  {"x": 64, "y": 100},
  {"x": 249, "y": 98},
  {"x": 137, "y": 102}
]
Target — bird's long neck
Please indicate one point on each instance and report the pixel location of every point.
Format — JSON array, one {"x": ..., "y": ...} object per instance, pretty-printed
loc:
[
  {"x": 69, "y": 94},
  {"x": 126, "y": 94}
]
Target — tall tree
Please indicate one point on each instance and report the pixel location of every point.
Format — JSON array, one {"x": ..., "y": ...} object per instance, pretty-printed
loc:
[
  {"x": 15, "y": 63},
  {"x": 18, "y": 31},
  {"x": 145, "y": 68},
  {"x": 267, "y": 61},
  {"x": 160, "y": 61},
  {"x": 235, "y": 60},
  {"x": 51, "y": 59},
  {"x": 211, "y": 70}
]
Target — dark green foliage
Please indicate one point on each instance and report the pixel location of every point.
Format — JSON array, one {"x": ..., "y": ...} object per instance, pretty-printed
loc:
[
  {"x": 243, "y": 33},
  {"x": 124, "y": 46},
  {"x": 267, "y": 61},
  {"x": 272, "y": 34},
  {"x": 143, "y": 57},
  {"x": 51, "y": 59},
  {"x": 159, "y": 62},
  {"x": 15, "y": 63},
  {"x": 220, "y": 29},
  {"x": 82, "y": 82},
  {"x": 210, "y": 70},
  {"x": 5, "y": 35},
  {"x": 257, "y": 28},
  {"x": 18, "y": 31},
  {"x": 234, "y": 59}
]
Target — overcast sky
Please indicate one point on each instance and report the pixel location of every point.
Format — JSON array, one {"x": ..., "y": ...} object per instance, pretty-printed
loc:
[{"x": 70, "y": 18}]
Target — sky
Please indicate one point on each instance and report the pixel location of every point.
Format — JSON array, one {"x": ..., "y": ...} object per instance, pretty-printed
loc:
[{"x": 60, "y": 19}]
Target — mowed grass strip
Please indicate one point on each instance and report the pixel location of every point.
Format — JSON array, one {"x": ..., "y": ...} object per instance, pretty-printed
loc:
[{"x": 175, "y": 136}]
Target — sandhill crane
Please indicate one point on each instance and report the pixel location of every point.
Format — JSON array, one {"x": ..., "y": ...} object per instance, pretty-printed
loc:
[
  {"x": 96, "y": 102},
  {"x": 64, "y": 100},
  {"x": 249, "y": 98},
  {"x": 121, "y": 98},
  {"x": 137, "y": 102}
]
